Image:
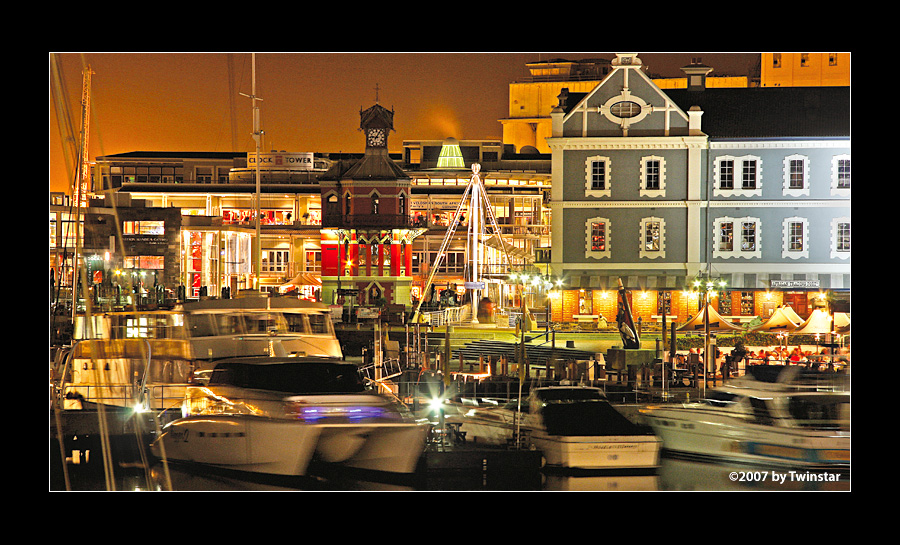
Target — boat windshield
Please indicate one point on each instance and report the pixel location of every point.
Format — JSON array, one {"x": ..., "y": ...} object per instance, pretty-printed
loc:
[
  {"x": 820, "y": 411},
  {"x": 566, "y": 395},
  {"x": 269, "y": 322},
  {"x": 302, "y": 377}
]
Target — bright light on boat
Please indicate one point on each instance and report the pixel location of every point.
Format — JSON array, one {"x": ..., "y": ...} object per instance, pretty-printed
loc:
[
  {"x": 435, "y": 404},
  {"x": 315, "y": 413},
  {"x": 140, "y": 408}
]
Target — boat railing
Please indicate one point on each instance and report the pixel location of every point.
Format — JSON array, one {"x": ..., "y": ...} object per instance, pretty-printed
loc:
[
  {"x": 449, "y": 315},
  {"x": 97, "y": 385},
  {"x": 155, "y": 397},
  {"x": 388, "y": 368}
]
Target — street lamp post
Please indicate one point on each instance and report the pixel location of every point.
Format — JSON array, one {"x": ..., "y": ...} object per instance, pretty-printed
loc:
[{"x": 707, "y": 357}]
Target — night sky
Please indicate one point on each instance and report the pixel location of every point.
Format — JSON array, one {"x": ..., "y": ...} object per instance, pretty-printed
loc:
[{"x": 310, "y": 101}]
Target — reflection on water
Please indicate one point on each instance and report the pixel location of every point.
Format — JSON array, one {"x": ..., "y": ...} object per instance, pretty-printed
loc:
[{"x": 673, "y": 475}]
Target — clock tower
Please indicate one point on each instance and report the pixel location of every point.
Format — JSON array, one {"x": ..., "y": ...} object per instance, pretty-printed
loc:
[{"x": 367, "y": 231}]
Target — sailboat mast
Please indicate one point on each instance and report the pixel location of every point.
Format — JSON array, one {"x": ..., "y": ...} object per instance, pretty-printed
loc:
[{"x": 257, "y": 261}]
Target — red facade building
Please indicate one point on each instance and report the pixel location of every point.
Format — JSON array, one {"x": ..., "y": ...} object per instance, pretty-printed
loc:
[{"x": 367, "y": 231}]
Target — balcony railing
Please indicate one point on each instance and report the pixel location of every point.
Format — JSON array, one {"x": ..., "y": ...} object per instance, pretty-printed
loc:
[{"x": 388, "y": 221}]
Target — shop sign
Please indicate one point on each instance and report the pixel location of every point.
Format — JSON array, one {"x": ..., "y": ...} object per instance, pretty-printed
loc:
[
  {"x": 292, "y": 161},
  {"x": 795, "y": 283}
]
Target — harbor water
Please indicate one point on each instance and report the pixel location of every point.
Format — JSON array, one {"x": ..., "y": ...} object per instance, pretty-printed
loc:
[{"x": 487, "y": 472}]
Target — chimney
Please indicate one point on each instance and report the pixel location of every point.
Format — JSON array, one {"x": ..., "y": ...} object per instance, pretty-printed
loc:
[
  {"x": 696, "y": 73},
  {"x": 694, "y": 115}
]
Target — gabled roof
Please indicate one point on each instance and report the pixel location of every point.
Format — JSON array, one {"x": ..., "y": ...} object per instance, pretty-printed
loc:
[
  {"x": 371, "y": 166},
  {"x": 769, "y": 112},
  {"x": 763, "y": 112}
]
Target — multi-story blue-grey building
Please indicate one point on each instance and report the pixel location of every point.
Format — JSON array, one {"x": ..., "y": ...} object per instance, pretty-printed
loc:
[{"x": 745, "y": 187}]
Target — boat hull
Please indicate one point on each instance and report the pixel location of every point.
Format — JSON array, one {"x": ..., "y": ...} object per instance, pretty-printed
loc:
[
  {"x": 284, "y": 447},
  {"x": 693, "y": 434},
  {"x": 598, "y": 452},
  {"x": 492, "y": 427}
]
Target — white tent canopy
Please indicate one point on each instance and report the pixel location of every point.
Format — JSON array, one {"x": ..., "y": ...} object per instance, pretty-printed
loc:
[
  {"x": 716, "y": 322},
  {"x": 302, "y": 279},
  {"x": 783, "y": 319},
  {"x": 818, "y": 322}
]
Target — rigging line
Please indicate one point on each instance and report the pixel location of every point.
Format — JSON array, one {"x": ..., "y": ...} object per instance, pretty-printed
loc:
[{"x": 449, "y": 235}]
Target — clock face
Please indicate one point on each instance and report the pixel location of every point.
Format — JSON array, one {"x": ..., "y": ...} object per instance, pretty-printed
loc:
[{"x": 376, "y": 137}]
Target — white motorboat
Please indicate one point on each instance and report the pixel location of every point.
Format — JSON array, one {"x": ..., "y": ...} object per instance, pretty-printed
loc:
[
  {"x": 227, "y": 328},
  {"x": 277, "y": 415},
  {"x": 574, "y": 427},
  {"x": 772, "y": 416},
  {"x": 148, "y": 357}
]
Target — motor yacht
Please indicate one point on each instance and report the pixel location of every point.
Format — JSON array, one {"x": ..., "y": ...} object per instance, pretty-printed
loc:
[
  {"x": 147, "y": 358},
  {"x": 775, "y": 415},
  {"x": 226, "y": 328},
  {"x": 574, "y": 427},
  {"x": 277, "y": 415}
]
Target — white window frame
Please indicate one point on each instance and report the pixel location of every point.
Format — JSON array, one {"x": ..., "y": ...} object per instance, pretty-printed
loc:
[
  {"x": 280, "y": 262},
  {"x": 653, "y": 254},
  {"x": 835, "y": 226},
  {"x": 645, "y": 191},
  {"x": 589, "y": 191},
  {"x": 789, "y": 191},
  {"x": 598, "y": 254},
  {"x": 835, "y": 172},
  {"x": 786, "y": 251},
  {"x": 738, "y": 190},
  {"x": 737, "y": 234}
]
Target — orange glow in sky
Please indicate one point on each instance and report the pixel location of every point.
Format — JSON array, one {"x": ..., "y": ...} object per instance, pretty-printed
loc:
[{"x": 310, "y": 101}]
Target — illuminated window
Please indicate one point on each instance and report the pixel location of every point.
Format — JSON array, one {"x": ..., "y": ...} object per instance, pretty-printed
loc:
[
  {"x": 726, "y": 236},
  {"x": 149, "y": 262},
  {"x": 598, "y": 236},
  {"x": 597, "y": 243},
  {"x": 746, "y": 229},
  {"x": 275, "y": 261},
  {"x": 748, "y": 236},
  {"x": 451, "y": 155},
  {"x": 144, "y": 227},
  {"x": 652, "y": 243}
]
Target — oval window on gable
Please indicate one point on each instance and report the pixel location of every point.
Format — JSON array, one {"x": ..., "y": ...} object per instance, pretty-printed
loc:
[{"x": 625, "y": 109}]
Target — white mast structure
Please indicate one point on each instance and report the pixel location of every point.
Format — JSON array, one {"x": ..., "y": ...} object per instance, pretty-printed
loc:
[
  {"x": 257, "y": 259},
  {"x": 479, "y": 209}
]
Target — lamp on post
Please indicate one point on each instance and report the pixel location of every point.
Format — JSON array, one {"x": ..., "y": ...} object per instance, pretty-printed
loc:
[{"x": 708, "y": 293}]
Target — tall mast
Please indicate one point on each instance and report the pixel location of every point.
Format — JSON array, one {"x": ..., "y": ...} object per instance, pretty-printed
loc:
[
  {"x": 80, "y": 190},
  {"x": 257, "y": 261}
]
